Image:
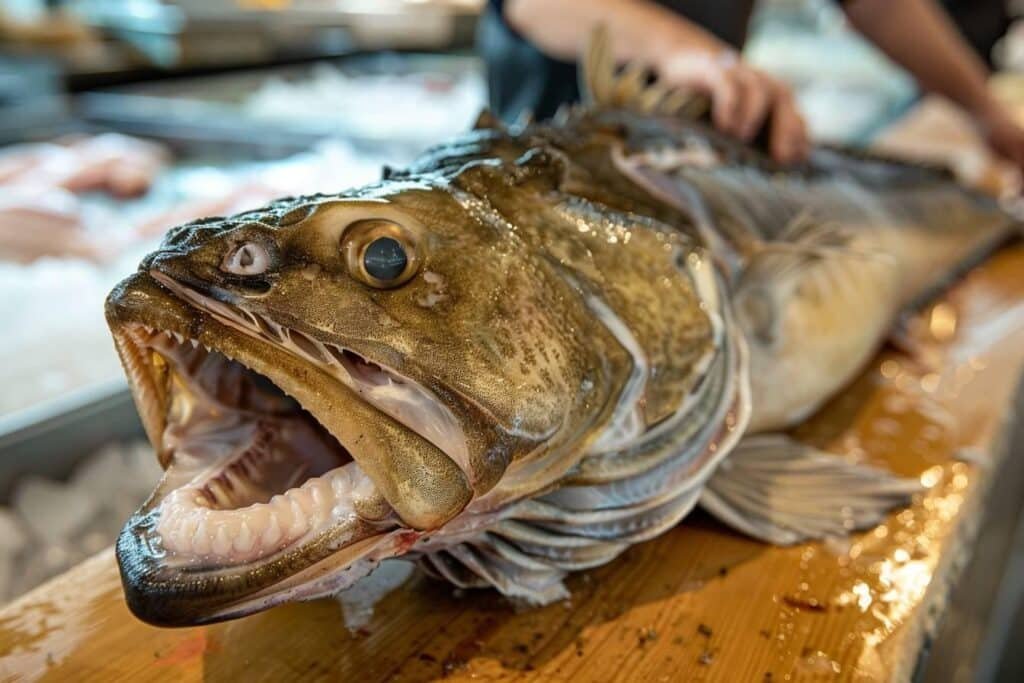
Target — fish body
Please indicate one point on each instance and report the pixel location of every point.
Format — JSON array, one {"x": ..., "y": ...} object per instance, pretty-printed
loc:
[{"x": 527, "y": 351}]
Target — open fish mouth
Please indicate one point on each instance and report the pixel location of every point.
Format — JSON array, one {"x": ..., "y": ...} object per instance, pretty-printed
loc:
[
  {"x": 260, "y": 473},
  {"x": 260, "y": 501}
]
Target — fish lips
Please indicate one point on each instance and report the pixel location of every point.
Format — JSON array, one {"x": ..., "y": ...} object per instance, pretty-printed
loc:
[{"x": 173, "y": 595}]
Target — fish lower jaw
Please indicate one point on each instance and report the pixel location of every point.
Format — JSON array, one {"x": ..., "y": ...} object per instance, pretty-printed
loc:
[
  {"x": 250, "y": 474},
  {"x": 192, "y": 528}
]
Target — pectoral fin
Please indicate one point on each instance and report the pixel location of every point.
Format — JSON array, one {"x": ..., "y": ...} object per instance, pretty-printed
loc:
[
  {"x": 807, "y": 242},
  {"x": 783, "y": 492}
]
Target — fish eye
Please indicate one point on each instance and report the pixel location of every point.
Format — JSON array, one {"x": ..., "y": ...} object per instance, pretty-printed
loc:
[
  {"x": 380, "y": 253},
  {"x": 385, "y": 259},
  {"x": 248, "y": 258}
]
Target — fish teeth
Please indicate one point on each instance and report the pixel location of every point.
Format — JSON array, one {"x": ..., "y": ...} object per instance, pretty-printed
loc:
[
  {"x": 250, "y": 319},
  {"x": 244, "y": 540},
  {"x": 172, "y": 534},
  {"x": 322, "y": 350},
  {"x": 322, "y": 496},
  {"x": 217, "y": 491},
  {"x": 281, "y": 510},
  {"x": 300, "y": 524},
  {"x": 272, "y": 536},
  {"x": 201, "y": 538},
  {"x": 187, "y": 530},
  {"x": 221, "y": 542}
]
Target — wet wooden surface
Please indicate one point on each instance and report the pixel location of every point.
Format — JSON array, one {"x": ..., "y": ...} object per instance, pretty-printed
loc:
[{"x": 699, "y": 603}]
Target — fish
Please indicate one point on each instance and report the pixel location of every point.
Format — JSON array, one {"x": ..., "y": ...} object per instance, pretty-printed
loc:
[{"x": 534, "y": 347}]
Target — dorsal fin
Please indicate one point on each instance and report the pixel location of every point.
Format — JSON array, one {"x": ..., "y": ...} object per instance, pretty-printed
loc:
[
  {"x": 633, "y": 87},
  {"x": 486, "y": 120}
]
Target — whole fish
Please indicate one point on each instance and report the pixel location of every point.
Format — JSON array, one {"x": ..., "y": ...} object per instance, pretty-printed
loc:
[{"x": 534, "y": 347}]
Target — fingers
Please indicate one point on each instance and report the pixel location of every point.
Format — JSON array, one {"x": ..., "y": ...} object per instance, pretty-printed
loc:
[
  {"x": 758, "y": 97},
  {"x": 743, "y": 100},
  {"x": 789, "y": 142},
  {"x": 1014, "y": 150},
  {"x": 1005, "y": 137},
  {"x": 725, "y": 102},
  {"x": 740, "y": 101}
]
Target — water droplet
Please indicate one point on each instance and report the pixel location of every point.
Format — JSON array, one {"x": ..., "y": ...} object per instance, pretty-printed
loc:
[
  {"x": 942, "y": 322},
  {"x": 889, "y": 369},
  {"x": 930, "y": 382},
  {"x": 931, "y": 476}
]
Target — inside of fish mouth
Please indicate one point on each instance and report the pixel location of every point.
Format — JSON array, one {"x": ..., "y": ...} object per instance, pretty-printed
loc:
[{"x": 251, "y": 472}]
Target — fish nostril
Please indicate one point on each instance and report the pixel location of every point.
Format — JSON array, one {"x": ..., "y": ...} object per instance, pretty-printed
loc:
[
  {"x": 179, "y": 235},
  {"x": 194, "y": 231},
  {"x": 176, "y": 236}
]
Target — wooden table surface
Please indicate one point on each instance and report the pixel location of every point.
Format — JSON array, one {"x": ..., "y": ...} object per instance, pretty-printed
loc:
[{"x": 699, "y": 603}]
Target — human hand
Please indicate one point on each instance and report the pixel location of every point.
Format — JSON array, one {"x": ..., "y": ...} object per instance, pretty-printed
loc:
[
  {"x": 1003, "y": 134},
  {"x": 743, "y": 99}
]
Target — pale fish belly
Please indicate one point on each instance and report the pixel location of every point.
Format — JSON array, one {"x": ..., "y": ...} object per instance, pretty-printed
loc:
[{"x": 813, "y": 329}]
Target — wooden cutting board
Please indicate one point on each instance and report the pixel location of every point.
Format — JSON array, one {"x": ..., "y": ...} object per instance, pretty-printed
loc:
[{"x": 699, "y": 603}]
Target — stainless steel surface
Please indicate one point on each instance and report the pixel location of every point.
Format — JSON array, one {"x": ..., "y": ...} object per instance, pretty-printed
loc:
[
  {"x": 216, "y": 109},
  {"x": 48, "y": 439},
  {"x": 191, "y": 33}
]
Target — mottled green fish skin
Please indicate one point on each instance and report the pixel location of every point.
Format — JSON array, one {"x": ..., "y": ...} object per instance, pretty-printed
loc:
[{"x": 556, "y": 299}]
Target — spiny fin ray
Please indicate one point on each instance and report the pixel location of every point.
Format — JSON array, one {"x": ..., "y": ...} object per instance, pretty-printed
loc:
[
  {"x": 784, "y": 492},
  {"x": 633, "y": 87}
]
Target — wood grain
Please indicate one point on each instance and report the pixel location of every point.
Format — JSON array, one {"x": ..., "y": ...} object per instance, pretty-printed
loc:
[{"x": 699, "y": 603}]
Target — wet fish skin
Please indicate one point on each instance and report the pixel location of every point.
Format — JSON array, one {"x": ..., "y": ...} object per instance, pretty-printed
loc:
[{"x": 601, "y": 308}]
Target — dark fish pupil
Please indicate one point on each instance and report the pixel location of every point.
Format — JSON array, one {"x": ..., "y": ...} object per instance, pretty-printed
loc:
[{"x": 385, "y": 258}]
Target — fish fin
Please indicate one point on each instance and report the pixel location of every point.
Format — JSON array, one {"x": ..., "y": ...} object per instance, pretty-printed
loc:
[
  {"x": 488, "y": 561},
  {"x": 885, "y": 168},
  {"x": 758, "y": 314},
  {"x": 784, "y": 492},
  {"x": 524, "y": 118},
  {"x": 811, "y": 251},
  {"x": 562, "y": 115},
  {"x": 806, "y": 241},
  {"x": 486, "y": 120},
  {"x": 633, "y": 87}
]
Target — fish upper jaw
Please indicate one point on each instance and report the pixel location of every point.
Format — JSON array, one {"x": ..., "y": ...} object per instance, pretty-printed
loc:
[
  {"x": 415, "y": 413},
  {"x": 241, "y": 510}
]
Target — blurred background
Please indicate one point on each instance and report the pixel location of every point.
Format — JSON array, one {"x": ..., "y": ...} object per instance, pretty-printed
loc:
[{"x": 120, "y": 118}]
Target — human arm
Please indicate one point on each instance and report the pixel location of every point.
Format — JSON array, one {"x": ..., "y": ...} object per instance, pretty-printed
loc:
[
  {"x": 680, "y": 52},
  {"x": 920, "y": 37}
]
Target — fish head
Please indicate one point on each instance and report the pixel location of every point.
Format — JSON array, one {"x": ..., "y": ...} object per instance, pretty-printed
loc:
[{"x": 329, "y": 379}]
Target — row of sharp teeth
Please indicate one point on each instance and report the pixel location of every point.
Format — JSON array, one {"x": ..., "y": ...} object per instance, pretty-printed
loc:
[
  {"x": 240, "y": 472},
  {"x": 414, "y": 406},
  {"x": 179, "y": 338},
  {"x": 298, "y": 343}
]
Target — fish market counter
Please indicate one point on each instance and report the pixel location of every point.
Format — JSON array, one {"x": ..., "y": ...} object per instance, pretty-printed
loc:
[{"x": 700, "y": 602}]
